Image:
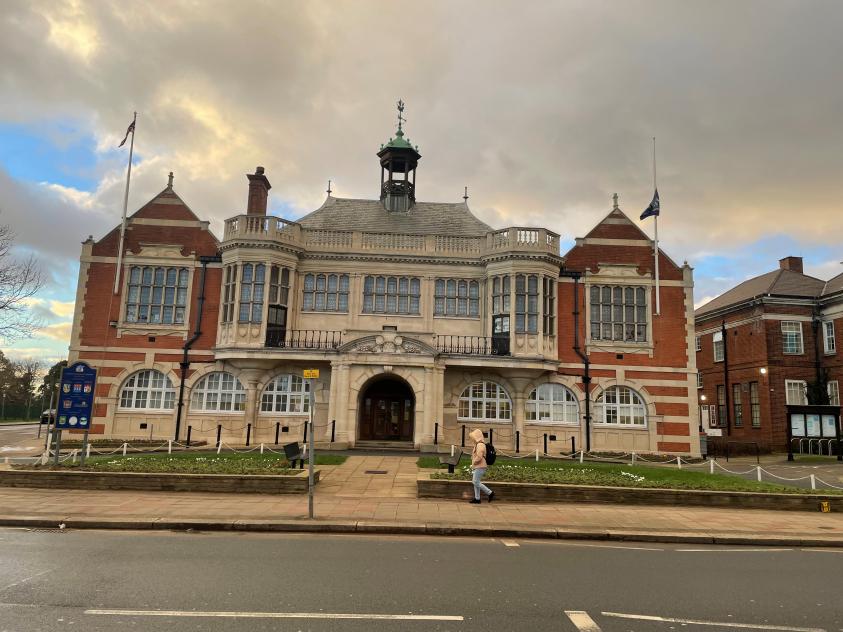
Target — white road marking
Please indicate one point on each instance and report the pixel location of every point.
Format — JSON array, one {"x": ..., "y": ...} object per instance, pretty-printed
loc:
[
  {"x": 609, "y": 546},
  {"x": 823, "y": 551},
  {"x": 276, "y": 615},
  {"x": 582, "y": 621},
  {"x": 510, "y": 543},
  {"x": 734, "y": 550},
  {"x": 719, "y": 624}
]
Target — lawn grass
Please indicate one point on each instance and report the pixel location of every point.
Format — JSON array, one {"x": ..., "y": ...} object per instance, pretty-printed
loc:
[
  {"x": 196, "y": 463},
  {"x": 615, "y": 475}
]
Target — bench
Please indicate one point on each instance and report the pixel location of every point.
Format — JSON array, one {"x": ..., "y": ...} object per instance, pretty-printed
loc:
[
  {"x": 294, "y": 452},
  {"x": 451, "y": 461}
]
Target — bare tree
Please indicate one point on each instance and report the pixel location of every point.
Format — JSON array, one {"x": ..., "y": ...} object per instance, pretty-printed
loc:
[{"x": 20, "y": 279}]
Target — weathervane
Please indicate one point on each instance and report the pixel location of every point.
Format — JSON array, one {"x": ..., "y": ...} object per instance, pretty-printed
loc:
[
  {"x": 465, "y": 196},
  {"x": 615, "y": 202},
  {"x": 401, "y": 118},
  {"x": 329, "y": 187}
]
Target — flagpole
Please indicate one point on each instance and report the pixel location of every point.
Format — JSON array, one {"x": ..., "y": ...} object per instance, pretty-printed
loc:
[
  {"x": 656, "y": 250},
  {"x": 125, "y": 206}
]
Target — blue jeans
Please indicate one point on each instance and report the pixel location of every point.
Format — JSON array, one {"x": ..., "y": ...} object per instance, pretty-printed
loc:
[{"x": 476, "y": 478}]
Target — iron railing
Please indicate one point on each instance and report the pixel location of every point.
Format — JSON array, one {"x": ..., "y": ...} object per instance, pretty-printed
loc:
[
  {"x": 304, "y": 339},
  {"x": 472, "y": 345}
]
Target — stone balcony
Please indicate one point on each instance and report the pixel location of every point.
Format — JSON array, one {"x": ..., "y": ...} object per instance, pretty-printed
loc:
[{"x": 275, "y": 229}]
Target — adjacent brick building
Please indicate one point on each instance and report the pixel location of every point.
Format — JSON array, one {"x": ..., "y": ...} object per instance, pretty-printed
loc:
[
  {"x": 421, "y": 318},
  {"x": 759, "y": 346}
]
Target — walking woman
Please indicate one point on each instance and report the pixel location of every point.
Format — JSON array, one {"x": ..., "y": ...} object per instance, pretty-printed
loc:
[{"x": 478, "y": 467}]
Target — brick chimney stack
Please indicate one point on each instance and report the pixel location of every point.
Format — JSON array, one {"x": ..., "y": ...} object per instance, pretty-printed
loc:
[
  {"x": 258, "y": 192},
  {"x": 794, "y": 264}
]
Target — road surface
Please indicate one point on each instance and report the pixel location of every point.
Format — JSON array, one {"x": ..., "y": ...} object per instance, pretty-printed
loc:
[{"x": 105, "y": 581}]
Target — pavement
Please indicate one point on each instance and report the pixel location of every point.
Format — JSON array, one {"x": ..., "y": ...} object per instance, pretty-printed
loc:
[
  {"x": 101, "y": 581},
  {"x": 370, "y": 494}
]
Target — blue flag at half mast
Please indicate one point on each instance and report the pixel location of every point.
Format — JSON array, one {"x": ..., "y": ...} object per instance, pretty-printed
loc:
[{"x": 653, "y": 209}]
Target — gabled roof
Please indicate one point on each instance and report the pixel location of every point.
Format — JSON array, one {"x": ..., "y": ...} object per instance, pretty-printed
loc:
[
  {"x": 782, "y": 283},
  {"x": 426, "y": 218},
  {"x": 166, "y": 205},
  {"x": 617, "y": 225},
  {"x": 835, "y": 284}
]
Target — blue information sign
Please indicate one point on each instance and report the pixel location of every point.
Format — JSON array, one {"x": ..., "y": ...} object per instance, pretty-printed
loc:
[{"x": 76, "y": 397}]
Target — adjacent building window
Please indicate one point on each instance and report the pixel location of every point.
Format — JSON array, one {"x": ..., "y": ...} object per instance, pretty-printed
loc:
[
  {"x": 500, "y": 295},
  {"x": 549, "y": 306},
  {"x": 699, "y": 380},
  {"x": 526, "y": 304},
  {"x": 325, "y": 293},
  {"x": 147, "y": 390},
  {"x": 833, "y": 393},
  {"x": 620, "y": 405},
  {"x": 218, "y": 392},
  {"x": 391, "y": 295},
  {"x": 618, "y": 313},
  {"x": 721, "y": 403},
  {"x": 454, "y": 297},
  {"x": 485, "y": 401},
  {"x": 828, "y": 337},
  {"x": 553, "y": 404},
  {"x": 792, "y": 337},
  {"x": 286, "y": 394},
  {"x": 737, "y": 404},
  {"x": 279, "y": 285},
  {"x": 718, "y": 346},
  {"x": 156, "y": 296},
  {"x": 796, "y": 392},
  {"x": 229, "y": 289},
  {"x": 252, "y": 279},
  {"x": 699, "y": 343},
  {"x": 754, "y": 405}
]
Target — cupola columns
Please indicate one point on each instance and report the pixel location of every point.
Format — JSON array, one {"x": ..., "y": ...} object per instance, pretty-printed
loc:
[{"x": 398, "y": 157}]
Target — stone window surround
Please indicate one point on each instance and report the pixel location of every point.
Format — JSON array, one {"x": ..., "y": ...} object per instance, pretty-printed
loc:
[
  {"x": 236, "y": 394},
  {"x": 166, "y": 389},
  {"x": 502, "y": 395},
  {"x": 598, "y": 419},
  {"x": 125, "y": 327},
  {"x": 567, "y": 402}
]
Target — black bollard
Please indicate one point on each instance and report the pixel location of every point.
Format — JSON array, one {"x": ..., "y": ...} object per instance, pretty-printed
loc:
[
  {"x": 463, "y": 435},
  {"x": 248, "y": 433},
  {"x": 573, "y": 445},
  {"x": 545, "y": 443},
  {"x": 277, "y": 430},
  {"x": 189, "y": 430},
  {"x": 436, "y": 433},
  {"x": 491, "y": 436},
  {"x": 333, "y": 430},
  {"x": 219, "y": 434},
  {"x": 517, "y": 441},
  {"x": 305, "y": 432}
]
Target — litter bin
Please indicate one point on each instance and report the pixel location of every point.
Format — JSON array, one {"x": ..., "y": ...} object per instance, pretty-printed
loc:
[{"x": 703, "y": 445}]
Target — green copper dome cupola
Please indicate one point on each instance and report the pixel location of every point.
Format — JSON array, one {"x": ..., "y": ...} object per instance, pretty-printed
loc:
[{"x": 398, "y": 160}]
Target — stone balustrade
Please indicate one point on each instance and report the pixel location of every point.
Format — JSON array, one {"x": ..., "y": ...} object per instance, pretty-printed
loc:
[{"x": 518, "y": 239}]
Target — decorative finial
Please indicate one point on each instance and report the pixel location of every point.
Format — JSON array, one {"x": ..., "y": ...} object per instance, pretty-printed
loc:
[
  {"x": 465, "y": 195},
  {"x": 170, "y": 181},
  {"x": 615, "y": 202},
  {"x": 329, "y": 187},
  {"x": 401, "y": 119}
]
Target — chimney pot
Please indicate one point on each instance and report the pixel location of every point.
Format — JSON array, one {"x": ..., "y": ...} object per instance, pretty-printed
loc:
[
  {"x": 794, "y": 264},
  {"x": 258, "y": 192}
]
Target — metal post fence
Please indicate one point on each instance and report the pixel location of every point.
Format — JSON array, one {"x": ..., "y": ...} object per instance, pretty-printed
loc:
[
  {"x": 573, "y": 445},
  {"x": 219, "y": 435},
  {"x": 436, "y": 433},
  {"x": 333, "y": 430},
  {"x": 463, "y": 436},
  {"x": 189, "y": 431},
  {"x": 491, "y": 436},
  {"x": 248, "y": 433},
  {"x": 517, "y": 441},
  {"x": 277, "y": 430},
  {"x": 305, "y": 432}
]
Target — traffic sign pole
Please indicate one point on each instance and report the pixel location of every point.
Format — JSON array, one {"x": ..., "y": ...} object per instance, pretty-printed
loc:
[{"x": 310, "y": 459}]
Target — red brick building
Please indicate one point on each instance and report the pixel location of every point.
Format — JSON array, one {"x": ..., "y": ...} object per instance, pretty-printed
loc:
[
  {"x": 422, "y": 320},
  {"x": 759, "y": 346}
]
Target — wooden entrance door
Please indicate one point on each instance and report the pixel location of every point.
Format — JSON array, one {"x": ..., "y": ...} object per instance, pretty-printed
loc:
[{"x": 387, "y": 412}]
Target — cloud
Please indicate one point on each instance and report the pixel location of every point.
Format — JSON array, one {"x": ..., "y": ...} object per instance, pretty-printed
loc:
[{"x": 543, "y": 109}]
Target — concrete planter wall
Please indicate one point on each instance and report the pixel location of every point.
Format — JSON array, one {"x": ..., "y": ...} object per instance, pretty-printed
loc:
[
  {"x": 546, "y": 493},
  {"x": 233, "y": 483}
]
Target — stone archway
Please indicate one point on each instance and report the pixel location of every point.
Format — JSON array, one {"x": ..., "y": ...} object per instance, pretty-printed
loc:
[{"x": 386, "y": 410}]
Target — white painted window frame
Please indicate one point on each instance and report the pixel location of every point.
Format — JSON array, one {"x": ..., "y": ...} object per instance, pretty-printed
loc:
[{"x": 785, "y": 324}]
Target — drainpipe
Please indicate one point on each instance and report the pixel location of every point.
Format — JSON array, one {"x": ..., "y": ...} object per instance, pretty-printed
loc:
[
  {"x": 586, "y": 378},
  {"x": 815, "y": 325},
  {"x": 185, "y": 362}
]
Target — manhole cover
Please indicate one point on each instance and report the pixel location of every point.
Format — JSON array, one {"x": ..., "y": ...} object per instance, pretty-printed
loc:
[{"x": 376, "y": 471}]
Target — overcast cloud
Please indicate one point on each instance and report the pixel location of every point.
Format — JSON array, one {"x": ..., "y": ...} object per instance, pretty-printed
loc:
[{"x": 544, "y": 109}]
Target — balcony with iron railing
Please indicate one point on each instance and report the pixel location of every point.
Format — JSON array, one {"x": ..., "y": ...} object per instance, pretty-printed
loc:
[
  {"x": 473, "y": 345},
  {"x": 276, "y": 229},
  {"x": 304, "y": 339}
]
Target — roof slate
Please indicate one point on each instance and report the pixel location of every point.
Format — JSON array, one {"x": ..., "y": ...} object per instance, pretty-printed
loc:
[
  {"x": 778, "y": 283},
  {"x": 833, "y": 285},
  {"x": 425, "y": 218}
]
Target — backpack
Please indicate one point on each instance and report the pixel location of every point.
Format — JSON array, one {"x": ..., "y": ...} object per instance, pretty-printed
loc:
[{"x": 491, "y": 454}]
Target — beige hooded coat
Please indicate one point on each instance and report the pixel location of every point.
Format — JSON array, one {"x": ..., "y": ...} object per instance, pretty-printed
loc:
[{"x": 478, "y": 454}]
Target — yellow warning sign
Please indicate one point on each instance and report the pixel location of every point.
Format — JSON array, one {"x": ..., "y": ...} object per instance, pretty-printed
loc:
[
  {"x": 311, "y": 374},
  {"x": 825, "y": 506}
]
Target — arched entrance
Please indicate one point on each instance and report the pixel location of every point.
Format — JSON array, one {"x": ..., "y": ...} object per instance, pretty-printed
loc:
[{"x": 387, "y": 411}]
